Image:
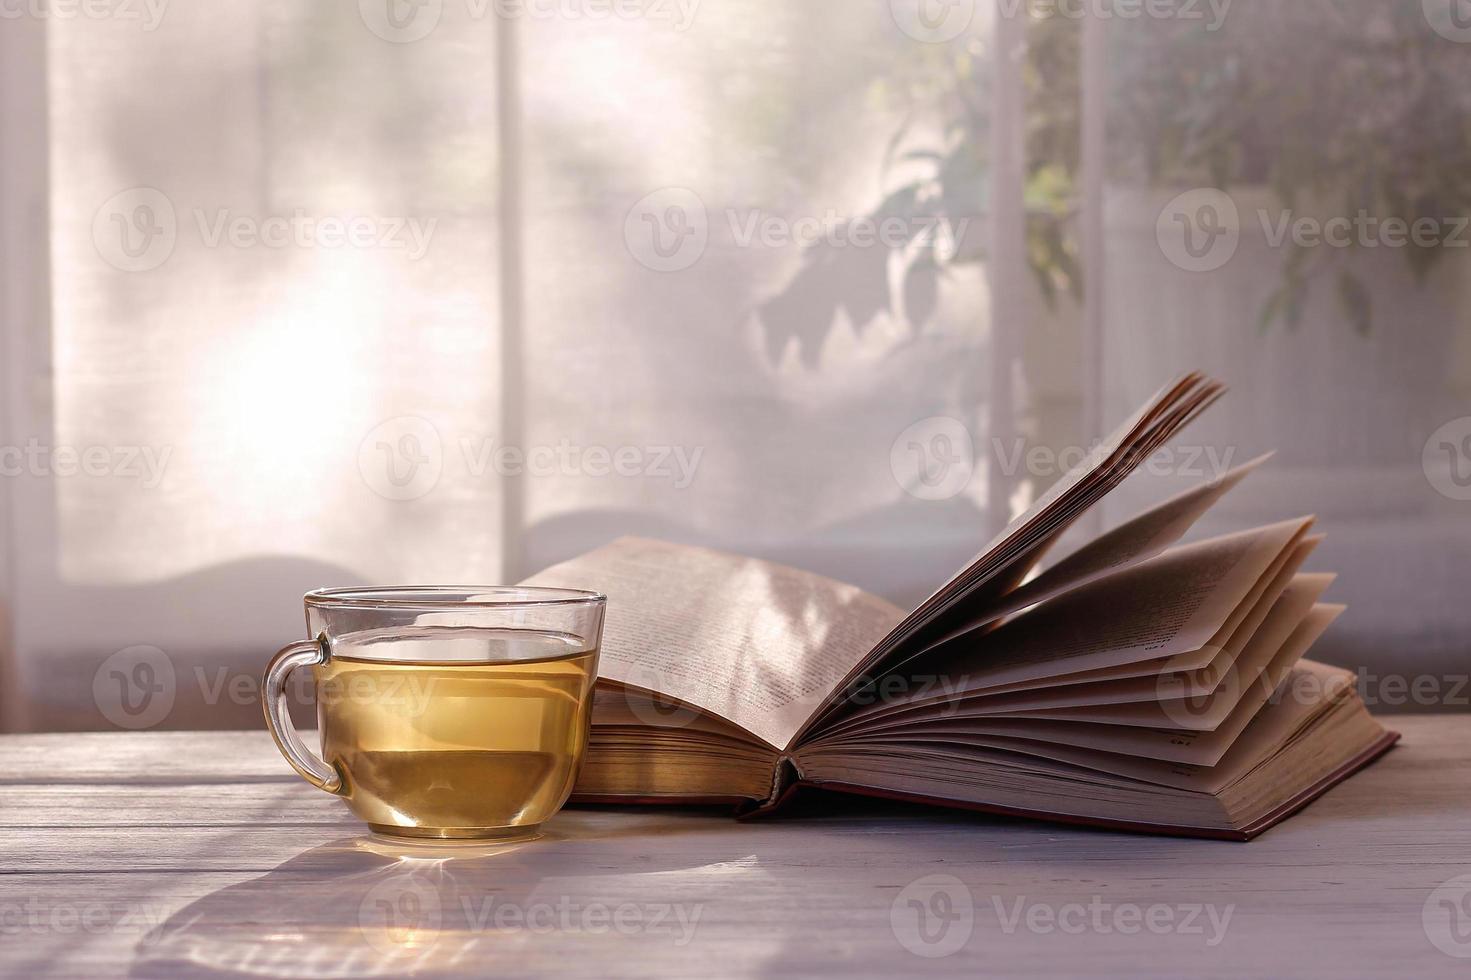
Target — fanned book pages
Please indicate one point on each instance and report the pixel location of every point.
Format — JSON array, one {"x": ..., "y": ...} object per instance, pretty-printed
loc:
[{"x": 1137, "y": 683}]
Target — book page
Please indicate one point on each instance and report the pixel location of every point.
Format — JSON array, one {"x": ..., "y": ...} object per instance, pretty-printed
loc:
[
  {"x": 950, "y": 699},
  {"x": 1250, "y": 656},
  {"x": 1281, "y": 720},
  {"x": 1198, "y": 670},
  {"x": 1266, "y": 734},
  {"x": 625, "y": 710},
  {"x": 1165, "y": 682},
  {"x": 1141, "y": 537},
  {"x": 1124, "y": 437},
  {"x": 1170, "y": 745},
  {"x": 755, "y": 643},
  {"x": 1056, "y": 510},
  {"x": 1003, "y": 563},
  {"x": 1172, "y": 604}
]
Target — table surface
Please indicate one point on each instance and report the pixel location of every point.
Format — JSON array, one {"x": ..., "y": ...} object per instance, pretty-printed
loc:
[{"x": 199, "y": 854}]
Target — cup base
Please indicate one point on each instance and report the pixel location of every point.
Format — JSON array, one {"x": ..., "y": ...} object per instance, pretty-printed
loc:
[{"x": 497, "y": 835}]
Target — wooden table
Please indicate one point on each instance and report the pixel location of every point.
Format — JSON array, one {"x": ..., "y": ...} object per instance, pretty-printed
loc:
[{"x": 182, "y": 854}]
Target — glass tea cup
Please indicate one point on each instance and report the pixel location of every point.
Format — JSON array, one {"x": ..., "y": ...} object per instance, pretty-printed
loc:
[{"x": 444, "y": 711}]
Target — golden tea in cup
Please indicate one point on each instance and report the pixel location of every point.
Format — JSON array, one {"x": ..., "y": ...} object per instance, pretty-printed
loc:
[{"x": 445, "y": 712}]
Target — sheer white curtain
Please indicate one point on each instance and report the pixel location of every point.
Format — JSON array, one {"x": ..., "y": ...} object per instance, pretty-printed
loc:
[
  {"x": 452, "y": 290},
  {"x": 339, "y": 296},
  {"x": 1286, "y": 207}
]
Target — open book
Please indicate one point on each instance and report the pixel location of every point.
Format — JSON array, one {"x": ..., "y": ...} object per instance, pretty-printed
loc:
[{"x": 1136, "y": 683}]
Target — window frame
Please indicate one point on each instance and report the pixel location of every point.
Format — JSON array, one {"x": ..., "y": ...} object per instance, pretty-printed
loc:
[
  {"x": 33, "y": 596},
  {"x": 27, "y": 509}
]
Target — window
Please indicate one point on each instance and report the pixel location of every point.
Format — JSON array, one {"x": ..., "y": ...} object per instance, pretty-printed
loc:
[{"x": 321, "y": 294}]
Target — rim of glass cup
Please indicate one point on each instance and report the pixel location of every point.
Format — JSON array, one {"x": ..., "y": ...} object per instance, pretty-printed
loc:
[{"x": 450, "y": 597}]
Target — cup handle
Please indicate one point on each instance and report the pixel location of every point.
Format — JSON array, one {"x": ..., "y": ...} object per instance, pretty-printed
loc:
[{"x": 273, "y": 699}]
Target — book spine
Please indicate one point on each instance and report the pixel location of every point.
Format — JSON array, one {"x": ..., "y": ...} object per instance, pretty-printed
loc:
[{"x": 783, "y": 774}]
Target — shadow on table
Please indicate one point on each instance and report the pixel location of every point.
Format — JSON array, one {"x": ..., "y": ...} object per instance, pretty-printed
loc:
[{"x": 369, "y": 906}]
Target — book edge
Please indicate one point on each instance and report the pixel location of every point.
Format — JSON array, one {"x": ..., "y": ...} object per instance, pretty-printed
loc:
[{"x": 1249, "y": 832}]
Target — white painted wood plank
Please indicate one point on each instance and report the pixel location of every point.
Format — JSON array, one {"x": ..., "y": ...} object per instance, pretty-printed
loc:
[
  {"x": 117, "y": 805},
  {"x": 1338, "y": 891},
  {"x": 144, "y": 757}
]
